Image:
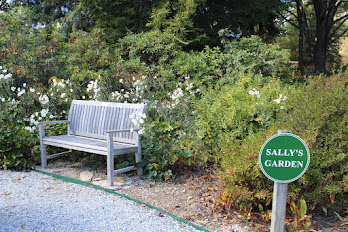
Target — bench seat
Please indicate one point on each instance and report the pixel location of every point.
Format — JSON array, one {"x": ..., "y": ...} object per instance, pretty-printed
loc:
[{"x": 91, "y": 145}]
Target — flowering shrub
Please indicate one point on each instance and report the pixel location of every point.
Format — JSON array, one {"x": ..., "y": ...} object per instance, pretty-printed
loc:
[
  {"x": 17, "y": 144},
  {"x": 317, "y": 113},
  {"x": 232, "y": 112}
]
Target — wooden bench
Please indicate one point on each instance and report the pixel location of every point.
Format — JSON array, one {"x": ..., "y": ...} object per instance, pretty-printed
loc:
[{"x": 103, "y": 128}]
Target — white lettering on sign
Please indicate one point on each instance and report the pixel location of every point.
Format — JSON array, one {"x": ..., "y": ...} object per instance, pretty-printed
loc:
[
  {"x": 284, "y": 152},
  {"x": 284, "y": 164}
]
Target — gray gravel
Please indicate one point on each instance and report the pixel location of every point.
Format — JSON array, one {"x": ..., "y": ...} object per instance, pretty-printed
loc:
[{"x": 31, "y": 201}]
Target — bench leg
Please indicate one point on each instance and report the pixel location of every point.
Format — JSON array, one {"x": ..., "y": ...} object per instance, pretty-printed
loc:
[
  {"x": 110, "y": 160},
  {"x": 138, "y": 158},
  {"x": 43, "y": 156},
  {"x": 110, "y": 169},
  {"x": 42, "y": 146}
]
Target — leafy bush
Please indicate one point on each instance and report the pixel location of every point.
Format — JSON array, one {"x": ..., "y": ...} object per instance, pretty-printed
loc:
[
  {"x": 316, "y": 112},
  {"x": 251, "y": 55},
  {"x": 16, "y": 143},
  {"x": 232, "y": 112}
]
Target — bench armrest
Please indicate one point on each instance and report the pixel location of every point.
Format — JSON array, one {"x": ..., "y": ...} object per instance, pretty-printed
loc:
[
  {"x": 54, "y": 122},
  {"x": 119, "y": 131}
]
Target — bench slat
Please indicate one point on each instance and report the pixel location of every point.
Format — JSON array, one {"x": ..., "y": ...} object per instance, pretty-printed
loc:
[
  {"x": 92, "y": 118},
  {"x": 88, "y": 144}
]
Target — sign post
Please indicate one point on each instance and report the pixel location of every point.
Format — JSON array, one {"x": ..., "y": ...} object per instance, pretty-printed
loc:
[{"x": 283, "y": 158}]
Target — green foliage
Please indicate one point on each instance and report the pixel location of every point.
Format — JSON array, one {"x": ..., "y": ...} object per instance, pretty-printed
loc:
[
  {"x": 175, "y": 17},
  {"x": 17, "y": 145},
  {"x": 232, "y": 112},
  {"x": 298, "y": 220},
  {"x": 254, "y": 56},
  {"x": 317, "y": 113},
  {"x": 149, "y": 48}
]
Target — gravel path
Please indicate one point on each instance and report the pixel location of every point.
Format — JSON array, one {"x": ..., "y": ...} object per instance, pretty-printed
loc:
[{"x": 31, "y": 201}]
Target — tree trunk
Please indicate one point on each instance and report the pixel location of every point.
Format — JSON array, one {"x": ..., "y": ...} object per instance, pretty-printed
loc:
[
  {"x": 322, "y": 30},
  {"x": 305, "y": 48}
]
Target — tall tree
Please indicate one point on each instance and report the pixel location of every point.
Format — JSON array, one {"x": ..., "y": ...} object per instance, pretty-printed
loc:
[
  {"x": 201, "y": 20},
  {"x": 330, "y": 17},
  {"x": 118, "y": 17}
]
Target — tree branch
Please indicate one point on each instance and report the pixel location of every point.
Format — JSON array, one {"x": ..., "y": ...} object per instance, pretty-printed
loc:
[
  {"x": 289, "y": 21},
  {"x": 331, "y": 12},
  {"x": 339, "y": 36},
  {"x": 339, "y": 26},
  {"x": 344, "y": 16},
  {"x": 292, "y": 13}
]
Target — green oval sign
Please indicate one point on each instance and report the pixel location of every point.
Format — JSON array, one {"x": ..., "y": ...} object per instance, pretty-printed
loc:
[{"x": 284, "y": 158}]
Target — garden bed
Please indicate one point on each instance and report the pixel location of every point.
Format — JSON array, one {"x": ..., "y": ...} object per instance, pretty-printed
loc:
[{"x": 190, "y": 196}]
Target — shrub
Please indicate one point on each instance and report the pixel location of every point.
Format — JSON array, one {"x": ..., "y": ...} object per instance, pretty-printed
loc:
[
  {"x": 232, "y": 112},
  {"x": 316, "y": 112},
  {"x": 251, "y": 55}
]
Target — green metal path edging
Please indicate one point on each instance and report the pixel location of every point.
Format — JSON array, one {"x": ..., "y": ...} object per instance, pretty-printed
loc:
[{"x": 80, "y": 182}]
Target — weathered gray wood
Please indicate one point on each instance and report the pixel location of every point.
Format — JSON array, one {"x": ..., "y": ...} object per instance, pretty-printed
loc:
[
  {"x": 42, "y": 146},
  {"x": 54, "y": 122},
  {"x": 280, "y": 191},
  {"x": 110, "y": 159},
  {"x": 138, "y": 157},
  {"x": 97, "y": 127},
  {"x": 58, "y": 154},
  {"x": 122, "y": 170}
]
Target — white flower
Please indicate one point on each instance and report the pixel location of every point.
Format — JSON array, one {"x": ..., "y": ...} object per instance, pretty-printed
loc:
[
  {"x": 280, "y": 98},
  {"x": 31, "y": 129},
  {"x": 24, "y": 84},
  {"x": 8, "y": 76},
  {"x": 254, "y": 92},
  {"x": 21, "y": 92},
  {"x": 277, "y": 100},
  {"x": 13, "y": 89},
  {"x": 32, "y": 90},
  {"x": 4, "y": 71},
  {"x": 62, "y": 95},
  {"x": 170, "y": 128},
  {"x": 141, "y": 131},
  {"x": 121, "y": 80},
  {"x": 51, "y": 116},
  {"x": 137, "y": 119},
  {"x": 44, "y": 99},
  {"x": 3, "y": 99},
  {"x": 44, "y": 112}
]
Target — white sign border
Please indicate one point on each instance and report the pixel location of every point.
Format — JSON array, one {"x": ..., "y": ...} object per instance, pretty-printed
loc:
[{"x": 295, "y": 178}]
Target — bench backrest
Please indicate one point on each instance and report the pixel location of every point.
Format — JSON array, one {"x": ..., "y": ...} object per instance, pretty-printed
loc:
[{"x": 93, "y": 118}]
